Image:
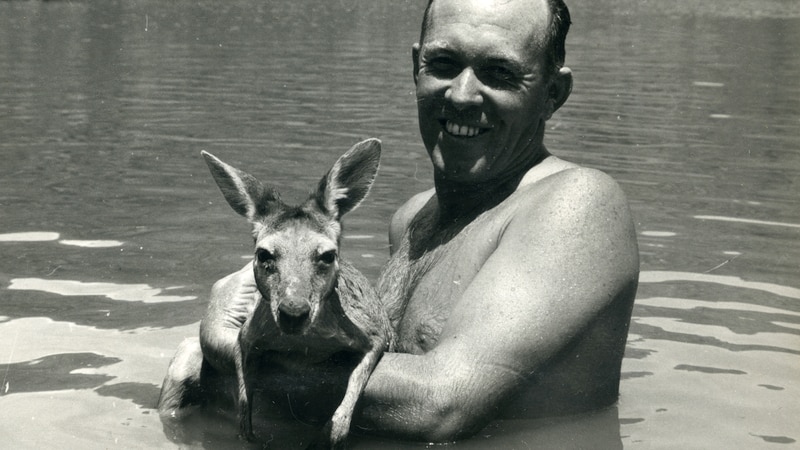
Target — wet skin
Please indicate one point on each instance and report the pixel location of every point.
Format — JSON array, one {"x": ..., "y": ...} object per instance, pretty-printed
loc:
[{"x": 519, "y": 270}]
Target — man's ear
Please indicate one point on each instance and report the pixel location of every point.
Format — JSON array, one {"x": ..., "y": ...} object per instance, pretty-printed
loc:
[
  {"x": 560, "y": 88},
  {"x": 415, "y": 60}
]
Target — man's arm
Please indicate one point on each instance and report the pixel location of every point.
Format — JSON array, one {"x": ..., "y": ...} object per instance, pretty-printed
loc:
[
  {"x": 559, "y": 263},
  {"x": 231, "y": 301}
]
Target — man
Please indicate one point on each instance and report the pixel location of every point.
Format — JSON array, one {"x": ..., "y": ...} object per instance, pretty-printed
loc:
[
  {"x": 514, "y": 278},
  {"x": 511, "y": 283}
]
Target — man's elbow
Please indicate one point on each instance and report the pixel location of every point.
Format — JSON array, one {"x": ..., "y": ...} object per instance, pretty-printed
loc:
[{"x": 450, "y": 420}]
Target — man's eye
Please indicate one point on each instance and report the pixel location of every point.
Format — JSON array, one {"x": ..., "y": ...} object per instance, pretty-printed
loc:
[
  {"x": 442, "y": 67},
  {"x": 500, "y": 76}
]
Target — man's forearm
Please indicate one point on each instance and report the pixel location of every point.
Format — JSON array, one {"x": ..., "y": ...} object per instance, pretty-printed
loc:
[
  {"x": 407, "y": 400},
  {"x": 394, "y": 401}
]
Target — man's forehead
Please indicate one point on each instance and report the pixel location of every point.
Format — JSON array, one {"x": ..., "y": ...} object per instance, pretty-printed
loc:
[
  {"x": 508, "y": 29},
  {"x": 510, "y": 14}
]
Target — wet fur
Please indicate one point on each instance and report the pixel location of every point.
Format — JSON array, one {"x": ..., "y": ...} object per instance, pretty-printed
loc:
[{"x": 346, "y": 323}]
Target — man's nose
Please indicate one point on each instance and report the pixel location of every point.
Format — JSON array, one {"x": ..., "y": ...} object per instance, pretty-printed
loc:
[{"x": 465, "y": 89}]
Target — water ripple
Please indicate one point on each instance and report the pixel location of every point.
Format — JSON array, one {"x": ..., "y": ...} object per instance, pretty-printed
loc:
[
  {"x": 749, "y": 221},
  {"x": 687, "y": 303},
  {"x": 29, "y": 236},
  {"x": 660, "y": 276}
]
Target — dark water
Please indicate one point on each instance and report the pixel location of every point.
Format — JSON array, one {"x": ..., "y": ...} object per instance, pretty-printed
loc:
[{"x": 112, "y": 232}]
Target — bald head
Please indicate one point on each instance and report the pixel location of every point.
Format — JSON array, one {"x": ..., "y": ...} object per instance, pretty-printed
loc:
[{"x": 547, "y": 22}]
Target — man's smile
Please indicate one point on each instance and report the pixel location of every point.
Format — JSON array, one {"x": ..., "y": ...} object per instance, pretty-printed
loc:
[{"x": 462, "y": 130}]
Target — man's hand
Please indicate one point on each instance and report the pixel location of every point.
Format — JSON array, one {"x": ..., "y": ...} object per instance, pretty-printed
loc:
[{"x": 232, "y": 301}]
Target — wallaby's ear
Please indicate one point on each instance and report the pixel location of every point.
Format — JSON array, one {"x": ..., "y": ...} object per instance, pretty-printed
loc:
[
  {"x": 246, "y": 195},
  {"x": 350, "y": 179}
]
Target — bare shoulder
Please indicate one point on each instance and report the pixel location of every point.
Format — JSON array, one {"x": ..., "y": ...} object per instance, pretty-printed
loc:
[
  {"x": 405, "y": 214},
  {"x": 573, "y": 194},
  {"x": 577, "y": 218},
  {"x": 566, "y": 256}
]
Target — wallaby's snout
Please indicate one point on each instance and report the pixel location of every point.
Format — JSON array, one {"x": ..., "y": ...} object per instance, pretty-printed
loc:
[
  {"x": 293, "y": 317},
  {"x": 293, "y": 289}
]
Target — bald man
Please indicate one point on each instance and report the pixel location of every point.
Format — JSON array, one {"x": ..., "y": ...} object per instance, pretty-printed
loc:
[{"x": 511, "y": 283}]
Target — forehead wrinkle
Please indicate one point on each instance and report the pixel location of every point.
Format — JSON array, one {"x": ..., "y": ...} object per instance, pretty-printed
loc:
[{"x": 451, "y": 46}]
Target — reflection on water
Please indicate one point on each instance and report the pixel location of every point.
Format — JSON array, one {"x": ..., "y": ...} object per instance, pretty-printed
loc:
[
  {"x": 55, "y": 372},
  {"x": 663, "y": 276},
  {"x": 112, "y": 232},
  {"x": 91, "y": 244},
  {"x": 131, "y": 293},
  {"x": 752, "y": 221},
  {"x": 29, "y": 236}
]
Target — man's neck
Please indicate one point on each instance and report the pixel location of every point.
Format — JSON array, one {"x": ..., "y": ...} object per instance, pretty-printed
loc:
[{"x": 458, "y": 201}]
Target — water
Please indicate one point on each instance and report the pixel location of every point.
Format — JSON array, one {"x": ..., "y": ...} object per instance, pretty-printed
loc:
[{"x": 112, "y": 231}]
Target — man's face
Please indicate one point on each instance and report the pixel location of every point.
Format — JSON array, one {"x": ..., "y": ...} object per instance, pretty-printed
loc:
[{"x": 481, "y": 87}]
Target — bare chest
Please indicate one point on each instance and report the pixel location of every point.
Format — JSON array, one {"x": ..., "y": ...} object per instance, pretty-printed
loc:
[{"x": 430, "y": 279}]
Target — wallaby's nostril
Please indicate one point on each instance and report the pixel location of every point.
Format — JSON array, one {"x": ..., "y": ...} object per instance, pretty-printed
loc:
[
  {"x": 328, "y": 257},
  {"x": 292, "y": 318}
]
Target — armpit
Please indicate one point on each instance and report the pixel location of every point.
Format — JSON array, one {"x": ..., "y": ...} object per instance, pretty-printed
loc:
[{"x": 418, "y": 340}]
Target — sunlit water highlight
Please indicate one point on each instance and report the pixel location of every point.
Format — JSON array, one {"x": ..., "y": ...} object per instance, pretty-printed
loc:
[
  {"x": 29, "y": 236},
  {"x": 129, "y": 293}
]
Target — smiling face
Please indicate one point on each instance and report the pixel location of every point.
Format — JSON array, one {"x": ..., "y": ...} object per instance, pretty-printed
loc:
[{"x": 482, "y": 90}]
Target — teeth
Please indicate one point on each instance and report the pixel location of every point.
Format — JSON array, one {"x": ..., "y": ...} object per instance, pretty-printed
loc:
[{"x": 461, "y": 130}]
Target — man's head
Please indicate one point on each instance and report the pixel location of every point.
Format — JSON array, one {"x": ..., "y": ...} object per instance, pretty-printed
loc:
[{"x": 489, "y": 73}]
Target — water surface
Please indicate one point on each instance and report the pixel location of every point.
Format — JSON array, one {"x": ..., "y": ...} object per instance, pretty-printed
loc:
[{"x": 112, "y": 231}]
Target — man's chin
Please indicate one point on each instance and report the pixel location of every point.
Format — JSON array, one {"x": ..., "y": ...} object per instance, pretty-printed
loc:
[{"x": 458, "y": 173}]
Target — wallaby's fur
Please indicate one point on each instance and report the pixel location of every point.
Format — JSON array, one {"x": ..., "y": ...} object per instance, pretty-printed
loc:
[{"x": 310, "y": 305}]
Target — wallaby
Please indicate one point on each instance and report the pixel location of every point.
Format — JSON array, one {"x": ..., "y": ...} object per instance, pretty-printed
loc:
[{"x": 310, "y": 305}]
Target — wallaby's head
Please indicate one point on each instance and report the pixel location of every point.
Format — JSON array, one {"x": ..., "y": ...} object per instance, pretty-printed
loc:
[{"x": 296, "y": 261}]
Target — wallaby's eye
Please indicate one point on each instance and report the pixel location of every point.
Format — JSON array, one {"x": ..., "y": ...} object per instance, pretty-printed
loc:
[
  {"x": 328, "y": 257},
  {"x": 265, "y": 257}
]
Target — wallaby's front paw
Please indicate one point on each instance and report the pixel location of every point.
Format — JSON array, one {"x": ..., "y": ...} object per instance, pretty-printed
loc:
[
  {"x": 325, "y": 440},
  {"x": 322, "y": 443},
  {"x": 247, "y": 437},
  {"x": 246, "y": 432},
  {"x": 338, "y": 428}
]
